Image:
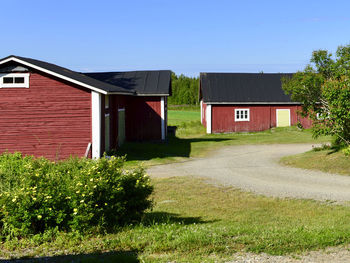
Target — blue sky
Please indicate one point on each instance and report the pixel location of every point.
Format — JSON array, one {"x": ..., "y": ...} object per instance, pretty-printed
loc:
[{"x": 185, "y": 36}]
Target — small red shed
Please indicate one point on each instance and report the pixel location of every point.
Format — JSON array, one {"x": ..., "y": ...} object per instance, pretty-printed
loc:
[
  {"x": 246, "y": 102},
  {"x": 50, "y": 111}
]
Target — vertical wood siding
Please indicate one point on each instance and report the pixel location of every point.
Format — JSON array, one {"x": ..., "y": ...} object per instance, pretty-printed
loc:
[
  {"x": 262, "y": 117},
  {"x": 51, "y": 118},
  {"x": 204, "y": 112},
  {"x": 142, "y": 117}
]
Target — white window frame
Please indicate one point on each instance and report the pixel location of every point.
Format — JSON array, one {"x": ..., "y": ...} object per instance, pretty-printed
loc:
[
  {"x": 14, "y": 75},
  {"x": 240, "y": 110}
]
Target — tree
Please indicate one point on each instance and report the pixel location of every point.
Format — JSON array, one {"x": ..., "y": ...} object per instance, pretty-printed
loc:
[
  {"x": 323, "y": 88},
  {"x": 184, "y": 90}
]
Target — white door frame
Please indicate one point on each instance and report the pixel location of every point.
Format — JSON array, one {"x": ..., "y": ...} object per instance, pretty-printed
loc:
[{"x": 277, "y": 115}]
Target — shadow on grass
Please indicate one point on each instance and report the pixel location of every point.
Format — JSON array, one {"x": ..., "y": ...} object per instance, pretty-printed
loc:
[
  {"x": 117, "y": 256},
  {"x": 174, "y": 147},
  {"x": 153, "y": 218}
]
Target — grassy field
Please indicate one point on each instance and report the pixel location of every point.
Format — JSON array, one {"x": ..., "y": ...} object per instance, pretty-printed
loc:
[
  {"x": 196, "y": 222},
  {"x": 325, "y": 160},
  {"x": 192, "y": 141}
]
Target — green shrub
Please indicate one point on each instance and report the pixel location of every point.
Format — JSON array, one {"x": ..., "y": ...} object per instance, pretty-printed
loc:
[
  {"x": 346, "y": 151},
  {"x": 37, "y": 195}
]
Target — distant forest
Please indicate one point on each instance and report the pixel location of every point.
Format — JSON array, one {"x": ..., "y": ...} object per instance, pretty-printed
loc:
[{"x": 184, "y": 90}]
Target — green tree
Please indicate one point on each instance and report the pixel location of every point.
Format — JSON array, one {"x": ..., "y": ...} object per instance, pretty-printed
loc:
[
  {"x": 323, "y": 88},
  {"x": 184, "y": 90}
]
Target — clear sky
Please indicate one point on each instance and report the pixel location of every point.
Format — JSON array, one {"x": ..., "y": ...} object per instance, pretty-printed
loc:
[{"x": 186, "y": 36}]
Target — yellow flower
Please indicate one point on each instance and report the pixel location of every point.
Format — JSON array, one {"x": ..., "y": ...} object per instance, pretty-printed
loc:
[
  {"x": 96, "y": 205},
  {"x": 14, "y": 200},
  {"x": 83, "y": 195},
  {"x": 39, "y": 216},
  {"x": 75, "y": 209},
  {"x": 105, "y": 203}
]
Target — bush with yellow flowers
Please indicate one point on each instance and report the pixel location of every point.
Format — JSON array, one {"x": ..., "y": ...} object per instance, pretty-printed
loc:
[{"x": 37, "y": 195}]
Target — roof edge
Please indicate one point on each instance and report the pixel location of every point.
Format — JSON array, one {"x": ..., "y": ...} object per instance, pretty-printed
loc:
[{"x": 21, "y": 61}]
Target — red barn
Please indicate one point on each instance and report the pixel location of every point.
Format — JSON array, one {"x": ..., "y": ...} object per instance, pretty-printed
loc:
[
  {"x": 245, "y": 102},
  {"x": 50, "y": 111}
]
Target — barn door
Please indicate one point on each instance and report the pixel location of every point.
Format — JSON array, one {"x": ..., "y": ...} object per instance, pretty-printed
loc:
[
  {"x": 121, "y": 126},
  {"x": 283, "y": 117}
]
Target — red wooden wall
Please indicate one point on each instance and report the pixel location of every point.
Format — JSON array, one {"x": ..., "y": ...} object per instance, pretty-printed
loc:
[
  {"x": 262, "y": 117},
  {"x": 51, "y": 118},
  {"x": 142, "y": 117},
  {"x": 204, "y": 112}
]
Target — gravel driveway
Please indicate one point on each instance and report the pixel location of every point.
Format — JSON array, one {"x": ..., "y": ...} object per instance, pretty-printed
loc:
[{"x": 255, "y": 168}]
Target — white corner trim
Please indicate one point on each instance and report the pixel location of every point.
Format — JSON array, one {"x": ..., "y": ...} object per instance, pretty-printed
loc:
[
  {"x": 162, "y": 115},
  {"x": 277, "y": 110},
  {"x": 201, "y": 111},
  {"x": 208, "y": 117},
  {"x": 96, "y": 124},
  {"x": 14, "y": 85},
  {"x": 54, "y": 74}
]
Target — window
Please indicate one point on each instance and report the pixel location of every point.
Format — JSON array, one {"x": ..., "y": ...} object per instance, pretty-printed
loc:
[
  {"x": 242, "y": 115},
  {"x": 14, "y": 80}
]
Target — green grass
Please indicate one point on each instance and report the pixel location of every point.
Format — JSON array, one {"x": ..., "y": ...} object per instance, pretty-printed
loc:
[
  {"x": 179, "y": 117},
  {"x": 196, "y": 222},
  {"x": 324, "y": 160},
  {"x": 184, "y": 107}
]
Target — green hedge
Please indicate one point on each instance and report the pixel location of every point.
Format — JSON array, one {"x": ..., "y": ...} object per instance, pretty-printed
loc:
[{"x": 37, "y": 195}]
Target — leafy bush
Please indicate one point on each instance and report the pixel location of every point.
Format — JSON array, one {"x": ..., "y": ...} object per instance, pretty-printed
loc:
[
  {"x": 346, "y": 151},
  {"x": 37, "y": 195}
]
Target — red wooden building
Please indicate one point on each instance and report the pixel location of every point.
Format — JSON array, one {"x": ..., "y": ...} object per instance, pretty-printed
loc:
[
  {"x": 244, "y": 102},
  {"x": 50, "y": 111}
]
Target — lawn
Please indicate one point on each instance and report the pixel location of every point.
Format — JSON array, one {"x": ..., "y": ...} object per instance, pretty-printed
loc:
[
  {"x": 328, "y": 161},
  {"x": 193, "y": 221}
]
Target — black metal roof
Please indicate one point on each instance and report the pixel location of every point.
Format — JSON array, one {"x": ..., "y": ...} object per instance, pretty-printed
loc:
[
  {"x": 243, "y": 88},
  {"x": 132, "y": 83},
  {"x": 143, "y": 82},
  {"x": 71, "y": 75}
]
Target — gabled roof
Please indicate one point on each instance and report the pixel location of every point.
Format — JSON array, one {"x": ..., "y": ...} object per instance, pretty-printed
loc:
[
  {"x": 143, "y": 82},
  {"x": 66, "y": 74},
  {"x": 243, "y": 88},
  {"x": 127, "y": 83}
]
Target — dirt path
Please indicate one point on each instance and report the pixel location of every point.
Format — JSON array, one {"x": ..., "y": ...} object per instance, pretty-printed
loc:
[{"x": 255, "y": 168}]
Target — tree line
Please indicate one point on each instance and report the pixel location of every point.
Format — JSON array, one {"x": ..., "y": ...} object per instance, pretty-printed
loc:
[{"x": 184, "y": 90}]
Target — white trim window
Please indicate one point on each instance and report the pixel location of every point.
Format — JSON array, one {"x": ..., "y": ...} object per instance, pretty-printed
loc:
[
  {"x": 14, "y": 80},
  {"x": 242, "y": 115}
]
